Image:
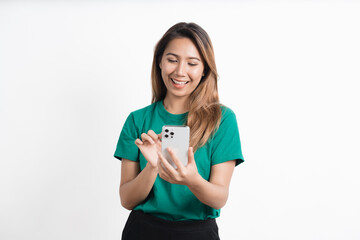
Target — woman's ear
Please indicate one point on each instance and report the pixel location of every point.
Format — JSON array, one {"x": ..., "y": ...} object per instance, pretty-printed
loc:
[{"x": 160, "y": 65}]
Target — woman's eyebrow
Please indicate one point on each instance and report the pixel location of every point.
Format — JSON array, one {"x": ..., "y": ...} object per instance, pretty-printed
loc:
[{"x": 175, "y": 55}]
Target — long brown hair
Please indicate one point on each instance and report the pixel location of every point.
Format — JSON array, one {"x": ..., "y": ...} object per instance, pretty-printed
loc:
[{"x": 204, "y": 108}]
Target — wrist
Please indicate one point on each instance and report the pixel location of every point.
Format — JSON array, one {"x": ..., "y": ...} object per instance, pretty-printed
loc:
[
  {"x": 195, "y": 182},
  {"x": 151, "y": 167}
]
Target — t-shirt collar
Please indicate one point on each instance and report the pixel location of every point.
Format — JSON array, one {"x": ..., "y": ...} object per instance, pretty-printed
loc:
[{"x": 166, "y": 115}]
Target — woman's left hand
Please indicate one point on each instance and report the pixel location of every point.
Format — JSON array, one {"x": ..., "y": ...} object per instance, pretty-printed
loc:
[{"x": 182, "y": 175}]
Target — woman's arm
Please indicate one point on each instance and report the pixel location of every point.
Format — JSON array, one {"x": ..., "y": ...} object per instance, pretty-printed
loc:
[
  {"x": 135, "y": 185},
  {"x": 213, "y": 193}
]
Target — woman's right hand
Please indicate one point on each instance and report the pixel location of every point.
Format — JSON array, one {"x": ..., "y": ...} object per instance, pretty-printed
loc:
[{"x": 150, "y": 145}]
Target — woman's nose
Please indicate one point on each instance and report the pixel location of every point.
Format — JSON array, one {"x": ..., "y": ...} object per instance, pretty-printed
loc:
[{"x": 181, "y": 69}]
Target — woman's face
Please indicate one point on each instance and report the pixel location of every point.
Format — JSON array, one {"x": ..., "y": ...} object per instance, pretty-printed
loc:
[{"x": 181, "y": 67}]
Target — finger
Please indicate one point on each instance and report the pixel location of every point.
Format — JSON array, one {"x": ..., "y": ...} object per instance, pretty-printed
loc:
[
  {"x": 162, "y": 173},
  {"x": 153, "y": 135},
  {"x": 191, "y": 156},
  {"x": 160, "y": 136},
  {"x": 138, "y": 142},
  {"x": 162, "y": 167},
  {"x": 145, "y": 137},
  {"x": 175, "y": 159},
  {"x": 166, "y": 177},
  {"x": 167, "y": 166}
]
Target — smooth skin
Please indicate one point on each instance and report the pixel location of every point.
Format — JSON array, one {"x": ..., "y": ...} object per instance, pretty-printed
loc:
[{"x": 181, "y": 61}]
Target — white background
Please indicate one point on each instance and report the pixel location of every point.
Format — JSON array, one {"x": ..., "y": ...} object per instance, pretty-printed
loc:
[{"x": 71, "y": 72}]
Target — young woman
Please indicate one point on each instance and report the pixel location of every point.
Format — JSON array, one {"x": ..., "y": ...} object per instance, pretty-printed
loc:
[{"x": 182, "y": 202}]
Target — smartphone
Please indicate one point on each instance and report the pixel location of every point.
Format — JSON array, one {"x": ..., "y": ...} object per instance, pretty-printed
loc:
[{"x": 177, "y": 138}]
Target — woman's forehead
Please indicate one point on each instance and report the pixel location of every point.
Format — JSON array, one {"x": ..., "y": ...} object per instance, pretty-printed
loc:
[{"x": 182, "y": 47}]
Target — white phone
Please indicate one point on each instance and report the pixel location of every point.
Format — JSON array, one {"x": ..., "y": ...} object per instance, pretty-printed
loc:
[{"x": 177, "y": 138}]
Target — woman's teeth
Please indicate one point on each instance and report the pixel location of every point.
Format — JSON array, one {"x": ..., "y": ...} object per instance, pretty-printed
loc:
[{"x": 177, "y": 82}]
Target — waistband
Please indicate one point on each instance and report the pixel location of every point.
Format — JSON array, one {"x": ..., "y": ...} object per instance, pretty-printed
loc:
[{"x": 174, "y": 225}]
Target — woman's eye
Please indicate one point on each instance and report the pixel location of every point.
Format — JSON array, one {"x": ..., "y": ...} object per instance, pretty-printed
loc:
[
  {"x": 172, "y": 60},
  {"x": 193, "y": 64}
]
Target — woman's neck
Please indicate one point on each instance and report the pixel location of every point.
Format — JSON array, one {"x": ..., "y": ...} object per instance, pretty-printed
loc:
[{"x": 176, "y": 105}]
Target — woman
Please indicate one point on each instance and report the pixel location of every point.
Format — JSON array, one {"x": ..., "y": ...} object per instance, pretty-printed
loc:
[{"x": 181, "y": 203}]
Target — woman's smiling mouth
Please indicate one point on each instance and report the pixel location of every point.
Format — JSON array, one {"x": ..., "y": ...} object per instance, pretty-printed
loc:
[{"x": 179, "y": 82}]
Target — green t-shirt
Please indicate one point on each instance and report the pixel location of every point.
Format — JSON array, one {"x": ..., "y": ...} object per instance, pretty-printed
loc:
[{"x": 172, "y": 201}]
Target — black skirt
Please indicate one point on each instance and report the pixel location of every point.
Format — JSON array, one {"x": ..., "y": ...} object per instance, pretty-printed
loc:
[{"x": 144, "y": 226}]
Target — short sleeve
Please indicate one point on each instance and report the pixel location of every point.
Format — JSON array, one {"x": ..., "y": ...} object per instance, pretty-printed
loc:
[
  {"x": 226, "y": 144},
  {"x": 126, "y": 147}
]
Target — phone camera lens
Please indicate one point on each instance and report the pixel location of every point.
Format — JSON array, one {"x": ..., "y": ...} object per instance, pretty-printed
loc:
[
  {"x": 166, "y": 130},
  {"x": 171, "y": 133},
  {"x": 166, "y": 135}
]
